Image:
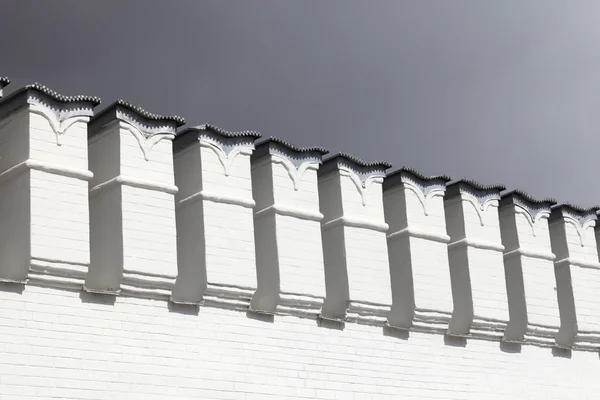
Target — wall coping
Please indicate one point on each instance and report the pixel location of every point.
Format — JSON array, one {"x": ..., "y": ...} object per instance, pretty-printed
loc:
[
  {"x": 411, "y": 175},
  {"x": 279, "y": 147},
  {"x": 193, "y": 134},
  {"x": 39, "y": 94},
  {"x": 361, "y": 167},
  {"x": 127, "y": 112}
]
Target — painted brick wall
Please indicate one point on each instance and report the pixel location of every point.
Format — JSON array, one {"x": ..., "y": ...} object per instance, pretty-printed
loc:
[
  {"x": 538, "y": 274},
  {"x": 298, "y": 239},
  {"x": 212, "y": 289},
  {"x": 62, "y": 344},
  {"x": 58, "y": 226}
]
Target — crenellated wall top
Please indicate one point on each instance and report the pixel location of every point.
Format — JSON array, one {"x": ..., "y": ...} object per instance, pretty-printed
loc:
[
  {"x": 226, "y": 140},
  {"x": 423, "y": 186},
  {"x": 574, "y": 213},
  {"x": 474, "y": 189},
  {"x": 282, "y": 148},
  {"x": 535, "y": 208},
  {"x": 148, "y": 124},
  {"x": 258, "y": 220},
  {"x": 54, "y": 106},
  {"x": 364, "y": 169},
  {"x": 411, "y": 176}
]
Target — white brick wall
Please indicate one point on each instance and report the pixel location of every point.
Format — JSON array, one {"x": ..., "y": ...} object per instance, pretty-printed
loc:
[
  {"x": 230, "y": 244},
  {"x": 586, "y": 285},
  {"x": 487, "y": 283},
  {"x": 301, "y": 256},
  {"x": 149, "y": 237},
  {"x": 365, "y": 248},
  {"x": 45, "y": 209},
  {"x": 354, "y": 238},
  {"x": 215, "y": 230},
  {"x": 56, "y": 345},
  {"x": 15, "y": 244},
  {"x": 577, "y": 271},
  {"x": 581, "y": 248},
  {"x": 58, "y": 341},
  {"x": 431, "y": 275},
  {"x": 540, "y": 292},
  {"x": 287, "y": 221},
  {"x": 368, "y": 270},
  {"x": 59, "y": 218},
  {"x": 238, "y": 180},
  {"x": 73, "y": 143},
  {"x": 585, "y": 279},
  {"x": 59, "y": 204},
  {"x": 158, "y": 166},
  {"x": 476, "y": 258},
  {"x": 137, "y": 189},
  {"x": 299, "y": 240},
  {"x": 417, "y": 247},
  {"x": 529, "y": 266}
]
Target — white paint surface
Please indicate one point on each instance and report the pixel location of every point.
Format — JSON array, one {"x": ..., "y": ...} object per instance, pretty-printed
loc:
[{"x": 57, "y": 341}]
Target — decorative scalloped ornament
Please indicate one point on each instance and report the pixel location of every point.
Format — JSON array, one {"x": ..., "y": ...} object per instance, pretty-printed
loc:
[
  {"x": 59, "y": 123},
  {"x": 423, "y": 192},
  {"x": 226, "y": 158},
  {"x": 424, "y": 198},
  {"x": 532, "y": 219},
  {"x": 289, "y": 148},
  {"x": 480, "y": 206},
  {"x": 580, "y": 226},
  {"x": 361, "y": 185},
  {"x": 295, "y": 173},
  {"x": 139, "y": 112},
  {"x": 146, "y": 142}
]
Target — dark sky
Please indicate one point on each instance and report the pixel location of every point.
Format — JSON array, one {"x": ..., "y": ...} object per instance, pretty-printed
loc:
[{"x": 499, "y": 91}]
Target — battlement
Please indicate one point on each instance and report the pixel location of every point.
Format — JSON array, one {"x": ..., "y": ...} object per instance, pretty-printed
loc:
[
  {"x": 150, "y": 259},
  {"x": 125, "y": 202}
]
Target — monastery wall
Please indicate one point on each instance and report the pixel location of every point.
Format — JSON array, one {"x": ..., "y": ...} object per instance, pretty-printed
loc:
[{"x": 144, "y": 258}]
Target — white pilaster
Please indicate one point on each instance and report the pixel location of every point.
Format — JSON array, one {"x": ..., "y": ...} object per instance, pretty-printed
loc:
[
  {"x": 44, "y": 174},
  {"x": 289, "y": 253},
  {"x": 476, "y": 261},
  {"x": 577, "y": 274},
  {"x": 132, "y": 209},
  {"x": 215, "y": 226},
  {"x": 417, "y": 247},
  {"x": 529, "y": 267},
  {"x": 357, "y": 269}
]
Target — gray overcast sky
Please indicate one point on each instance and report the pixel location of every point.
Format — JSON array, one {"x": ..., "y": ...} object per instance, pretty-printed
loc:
[{"x": 501, "y": 91}]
